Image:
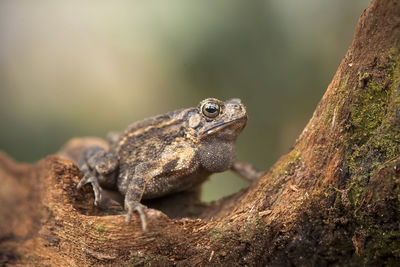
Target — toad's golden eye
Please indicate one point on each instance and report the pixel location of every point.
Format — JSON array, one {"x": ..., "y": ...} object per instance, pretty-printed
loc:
[{"x": 210, "y": 109}]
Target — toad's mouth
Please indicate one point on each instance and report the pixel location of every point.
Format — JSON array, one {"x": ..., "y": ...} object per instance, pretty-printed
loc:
[{"x": 240, "y": 124}]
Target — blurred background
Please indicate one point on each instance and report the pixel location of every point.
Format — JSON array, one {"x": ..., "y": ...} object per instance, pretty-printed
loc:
[{"x": 74, "y": 68}]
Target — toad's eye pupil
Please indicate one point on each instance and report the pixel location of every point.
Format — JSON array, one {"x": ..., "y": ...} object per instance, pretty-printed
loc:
[{"x": 211, "y": 109}]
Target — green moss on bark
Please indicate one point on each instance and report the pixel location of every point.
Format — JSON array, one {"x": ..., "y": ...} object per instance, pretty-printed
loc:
[
  {"x": 375, "y": 128},
  {"x": 360, "y": 223},
  {"x": 287, "y": 164},
  {"x": 372, "y": 156}
]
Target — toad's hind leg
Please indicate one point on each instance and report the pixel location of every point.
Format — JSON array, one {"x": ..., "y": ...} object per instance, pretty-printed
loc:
[{"x": 99, "y": 168}]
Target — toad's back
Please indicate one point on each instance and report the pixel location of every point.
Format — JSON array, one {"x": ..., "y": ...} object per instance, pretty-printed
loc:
[{"x": 146, "y": 140}]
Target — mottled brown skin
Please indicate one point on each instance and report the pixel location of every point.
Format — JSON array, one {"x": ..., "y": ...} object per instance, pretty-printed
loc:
[{"x": 168, "y": 153}]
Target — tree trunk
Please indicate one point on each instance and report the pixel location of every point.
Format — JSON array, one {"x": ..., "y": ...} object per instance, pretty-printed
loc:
[{"x": 334, "y": 199}]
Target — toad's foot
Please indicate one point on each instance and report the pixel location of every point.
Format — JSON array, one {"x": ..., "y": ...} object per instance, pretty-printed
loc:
[
  {"x": 87, "y": 178},
  {"x": 132, "y": 206}
]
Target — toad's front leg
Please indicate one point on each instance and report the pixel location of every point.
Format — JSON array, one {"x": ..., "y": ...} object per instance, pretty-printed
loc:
[
  {"x": 133, "y": 186},
  {"x": 99, "y": 168},
  {"x": 132, "y": 200},
  {"x": 246, "y": 170}
]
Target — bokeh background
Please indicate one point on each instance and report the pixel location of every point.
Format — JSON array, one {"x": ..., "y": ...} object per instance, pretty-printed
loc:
[{"x": 79, "y": 68}]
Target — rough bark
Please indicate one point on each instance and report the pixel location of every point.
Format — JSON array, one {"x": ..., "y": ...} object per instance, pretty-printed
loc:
[{"x": 334, "y": 199}]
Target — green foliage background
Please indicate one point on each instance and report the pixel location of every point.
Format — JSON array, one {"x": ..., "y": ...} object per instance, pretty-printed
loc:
[{"x": 73, "y": 68}]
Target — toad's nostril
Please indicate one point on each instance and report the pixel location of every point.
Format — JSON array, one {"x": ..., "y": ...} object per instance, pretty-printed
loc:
[{"x": 237, "y": 106}]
